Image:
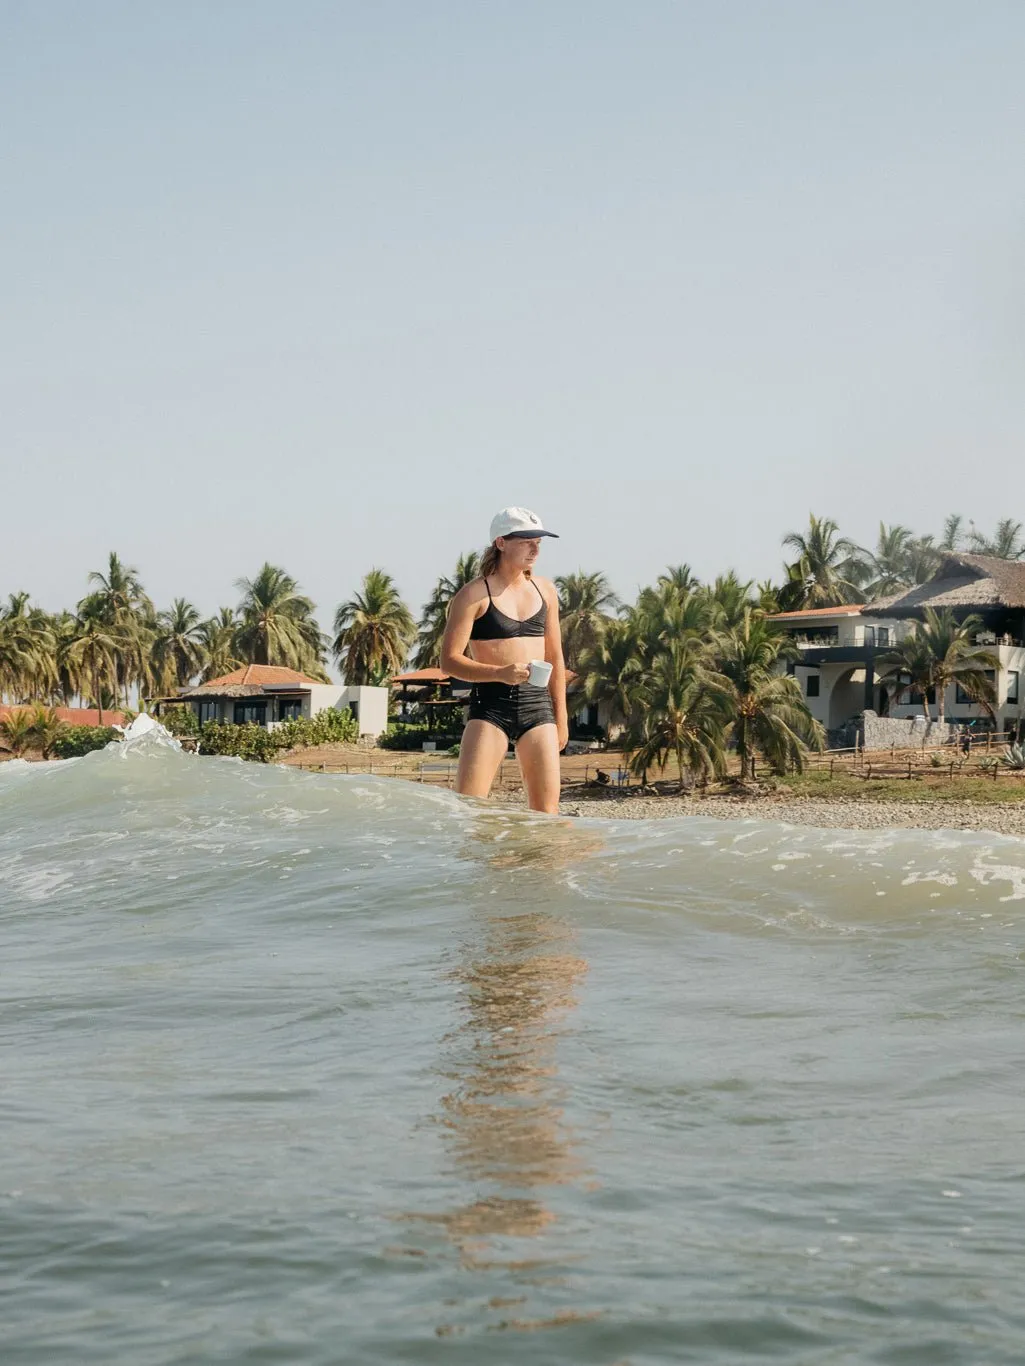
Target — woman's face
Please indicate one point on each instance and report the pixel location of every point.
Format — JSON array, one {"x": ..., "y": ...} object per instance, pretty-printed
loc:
[{"x": 519, "y": 552}]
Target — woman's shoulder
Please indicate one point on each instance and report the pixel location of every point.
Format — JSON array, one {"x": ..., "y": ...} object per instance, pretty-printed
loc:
[
  {"x": 546, "y": 587},
  {"x": 470, "y": 594}
]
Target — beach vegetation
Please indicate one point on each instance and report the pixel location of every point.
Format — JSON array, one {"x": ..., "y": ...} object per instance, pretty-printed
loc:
[
  {"x": 681, "y": 714},
  {"x": 827, "y": 565},
  {"x": 767, "y": 712},
  {"x": 260, "y": 745},
  {"x": 374, "y": 631},
  {"x": 74, "y": 741},
  {"x": 1006, "y": 542},
  {"x": 178, "y": 653},
  {"x": 434, "y": 617},
  {"x": 218, "y": 644},
  {"x": 16, "y": 731},
  {"x": 937, "y": 652},
  {"x": 180, "y": 721},
  {"x": 587, "y": 604},
  {"x": 276, "y": 624}
]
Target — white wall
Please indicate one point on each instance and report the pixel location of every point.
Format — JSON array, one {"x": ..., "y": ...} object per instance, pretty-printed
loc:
[
  {"x": 372, "y": 706},
  {"x": 322, "y": 697}
]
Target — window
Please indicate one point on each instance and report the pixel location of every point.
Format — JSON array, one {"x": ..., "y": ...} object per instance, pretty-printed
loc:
[
  {"x": 811, "y": 685},
  {"x": 962, "y": 698},
  {"x": 1012, "y": 685},
  {"x": 882, "y": 635},
  {"x": 254, "y": 711},
  {"x": 208, "y": 711},
  {"x": 910, "y": 696},
  {"x": 290, "y": 708}
]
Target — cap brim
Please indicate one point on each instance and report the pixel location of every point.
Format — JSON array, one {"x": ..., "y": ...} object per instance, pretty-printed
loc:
[{"x": 527, "y": 535}]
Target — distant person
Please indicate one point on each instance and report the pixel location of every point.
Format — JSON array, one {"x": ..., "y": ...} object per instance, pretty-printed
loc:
[{"x": 498, "y": 627}]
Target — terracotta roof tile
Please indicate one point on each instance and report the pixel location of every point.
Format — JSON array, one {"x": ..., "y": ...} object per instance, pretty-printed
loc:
[{"x": 259, "y": 676}]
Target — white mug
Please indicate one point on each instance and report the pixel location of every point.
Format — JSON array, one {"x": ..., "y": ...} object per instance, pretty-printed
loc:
[{"x": 540, "y": 673}]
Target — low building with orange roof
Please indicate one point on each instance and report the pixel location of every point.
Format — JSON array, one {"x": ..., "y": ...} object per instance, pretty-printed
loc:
[{"x": 267, "y": 694}]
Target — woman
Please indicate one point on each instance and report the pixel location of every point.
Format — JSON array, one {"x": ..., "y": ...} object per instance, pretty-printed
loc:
[{"x": 496, "y": 625}]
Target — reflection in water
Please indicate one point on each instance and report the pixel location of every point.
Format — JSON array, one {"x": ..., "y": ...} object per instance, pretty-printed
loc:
[{"x": 503, "y": 1113}]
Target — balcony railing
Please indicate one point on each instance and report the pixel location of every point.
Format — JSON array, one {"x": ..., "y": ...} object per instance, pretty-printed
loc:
[{"x": 856, "y": 637}]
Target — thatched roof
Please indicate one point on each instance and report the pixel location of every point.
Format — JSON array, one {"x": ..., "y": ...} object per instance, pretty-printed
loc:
[{"x": 964, "y": 583}]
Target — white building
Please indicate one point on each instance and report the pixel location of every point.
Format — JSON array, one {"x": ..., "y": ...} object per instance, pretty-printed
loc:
[
  {"x": 841, "y": 647},
  {"x": 267, "y": 695}
]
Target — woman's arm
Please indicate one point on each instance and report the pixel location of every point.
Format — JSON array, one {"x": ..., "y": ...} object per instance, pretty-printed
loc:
[
  {"x": 553, "y": 653},
  {"x": 454, "y": 659}
]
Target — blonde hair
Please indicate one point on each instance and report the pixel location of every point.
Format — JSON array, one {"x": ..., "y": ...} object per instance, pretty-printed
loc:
[{"x": 489, "y": 561}]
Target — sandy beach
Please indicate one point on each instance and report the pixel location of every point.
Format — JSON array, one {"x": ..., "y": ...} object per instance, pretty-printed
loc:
[{"x": 831, "y": 813}]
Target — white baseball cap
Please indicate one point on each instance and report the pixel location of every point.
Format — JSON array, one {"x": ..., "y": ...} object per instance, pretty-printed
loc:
[{"x": 518, "y": 522}]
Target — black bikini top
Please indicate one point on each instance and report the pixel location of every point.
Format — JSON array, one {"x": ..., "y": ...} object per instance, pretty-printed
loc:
[{"x": 495, "y": 625}]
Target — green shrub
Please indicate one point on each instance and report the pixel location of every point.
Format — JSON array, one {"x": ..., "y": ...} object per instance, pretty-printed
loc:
[
  {"x": 261, "y": 746},
  {"x": 405, "y": 737},
  {"x": 180, "y": 720},
  {"x": 326, "y": 728},
  {"x": 239, "y": 742},
  {"x": 74, "y": 741}
]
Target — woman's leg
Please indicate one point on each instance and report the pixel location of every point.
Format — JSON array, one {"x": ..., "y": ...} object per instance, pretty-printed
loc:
[
  {"x": 538, "y": 753},
  {"x": 481, "y": 750}
]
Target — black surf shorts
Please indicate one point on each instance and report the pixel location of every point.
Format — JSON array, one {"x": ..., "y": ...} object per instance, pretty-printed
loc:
[{"x": 512, "y": 707}]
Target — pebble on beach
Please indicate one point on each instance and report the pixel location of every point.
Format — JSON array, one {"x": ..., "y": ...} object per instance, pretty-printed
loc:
[{"x": 837, "y": 813}]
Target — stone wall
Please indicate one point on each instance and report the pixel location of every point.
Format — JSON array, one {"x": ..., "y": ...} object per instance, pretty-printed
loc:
[{"x": 912, "y": 732}]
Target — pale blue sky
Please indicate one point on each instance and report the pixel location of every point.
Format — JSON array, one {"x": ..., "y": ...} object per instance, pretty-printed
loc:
[{"x": 329, "y": 283}]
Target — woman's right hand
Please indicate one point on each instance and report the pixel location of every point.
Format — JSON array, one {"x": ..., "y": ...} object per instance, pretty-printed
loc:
[{"x": 514, "y": 674}]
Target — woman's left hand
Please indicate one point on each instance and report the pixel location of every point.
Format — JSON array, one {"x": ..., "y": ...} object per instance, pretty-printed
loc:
[{"x": 563, "y": 732}]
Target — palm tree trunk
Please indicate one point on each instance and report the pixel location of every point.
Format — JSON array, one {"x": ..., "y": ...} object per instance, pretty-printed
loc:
[{"x": 99, "y": 694}]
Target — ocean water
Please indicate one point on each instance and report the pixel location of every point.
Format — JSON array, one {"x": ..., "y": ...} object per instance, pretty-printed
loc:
[{"x": 304, "y": 1068}]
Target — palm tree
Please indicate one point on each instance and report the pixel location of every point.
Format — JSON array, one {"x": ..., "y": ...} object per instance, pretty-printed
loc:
[
  {"x": 1006, "y": 543},
  {"x": 26, "y": 651},
  {"x": 679, "y": 576},
  {"x": 922, "y": 559},
  {"x": 728, "y": 601},
  {"x": 93, "y": 659},
  {"x": 119, "y": 602},
  {"x": 767, "y": 597},
  {"x": 611, "y": 671},
  {"x": 586, "y": 605},
  {"x": 937, "y": 652},
  {"x": 64, "y": 630},
  {"x": 886, "y": 568},
  {"x": 435, "y": 614},
  {"x": 952, "y": 532},
  {"x": 16, "y": 730},
  {"x": 373, "y": 631},
  {"x": 276, "y": 623},
  {"x": 768, "y": 713},
  {"x": 663, "y": 615},
  {"x": 216, "y": 637},
  {"x": 683, "y": 712},
  {"x": 45, "y": 729},
  {"x": 831, "y": 562},
  {"x": 793, "y": 592},
  {"x": 177, "y": 644}
]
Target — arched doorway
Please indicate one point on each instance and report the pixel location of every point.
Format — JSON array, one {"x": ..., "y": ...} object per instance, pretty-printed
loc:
[{"x": 847, "y": 698}]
